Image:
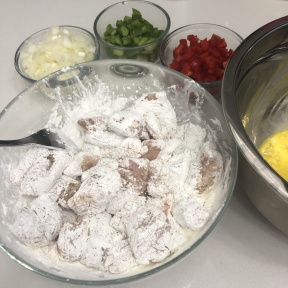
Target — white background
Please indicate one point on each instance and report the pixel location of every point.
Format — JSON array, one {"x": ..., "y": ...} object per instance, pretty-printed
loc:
[{"x": 244, "y": 250}]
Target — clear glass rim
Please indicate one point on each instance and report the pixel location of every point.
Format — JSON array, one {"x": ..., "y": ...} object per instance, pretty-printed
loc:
[
  {"x": 19, "y": 49},
  {"x": 142, "y": 275},
  {"x": 100, "y": 39}
]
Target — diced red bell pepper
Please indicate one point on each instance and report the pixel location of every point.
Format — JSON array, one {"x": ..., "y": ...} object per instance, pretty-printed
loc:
[{"x": 202, "y": 60}]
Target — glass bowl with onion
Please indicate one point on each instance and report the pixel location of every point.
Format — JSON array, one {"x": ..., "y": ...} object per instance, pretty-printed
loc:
[
  {"x": 132, "y": 30},
  {"x": 201, "y": 51},
  {"x": 54, "y": 48}
]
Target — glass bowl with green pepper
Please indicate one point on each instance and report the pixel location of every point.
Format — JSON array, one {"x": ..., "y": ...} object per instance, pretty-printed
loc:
[{"x": 131, "y": 30}]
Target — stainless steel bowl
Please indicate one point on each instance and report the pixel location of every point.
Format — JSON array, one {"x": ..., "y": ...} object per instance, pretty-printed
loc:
[{"x": 255, "y": 103}]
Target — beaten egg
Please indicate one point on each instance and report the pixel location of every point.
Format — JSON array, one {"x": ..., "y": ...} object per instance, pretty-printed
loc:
[{"x": 275, "y": 151}]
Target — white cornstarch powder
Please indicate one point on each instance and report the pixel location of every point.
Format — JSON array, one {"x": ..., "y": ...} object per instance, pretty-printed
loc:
[{"x": 138, "y": 187}]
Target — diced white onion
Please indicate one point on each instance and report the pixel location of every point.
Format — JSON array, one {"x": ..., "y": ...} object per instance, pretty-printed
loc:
[{"x": 58, "y": 48}]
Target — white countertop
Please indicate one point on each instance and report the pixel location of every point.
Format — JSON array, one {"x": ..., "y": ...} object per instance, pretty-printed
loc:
[{"x": 244, "y": 250}]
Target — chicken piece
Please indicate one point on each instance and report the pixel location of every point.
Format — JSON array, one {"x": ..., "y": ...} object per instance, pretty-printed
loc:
[
  {"x": 96, "y": 191},
  {"x": 101, "y": 238},
  {"x": 39, "y": 170},
  {"x": 152, "y": 234},
  {"x": 151, "y": 149},
  {"x": 98, "y": 122},
  {"x": 127, "y": 123},
  {"x": 103, "y": 139},
  {"x": 72, "y": 240},
  {"x": 39, "y": 223},
  {"x": 135, "y": 171},
  {"x": 190, "y": 214},
  {"x": 64, "y": 188},
  {"x": 211, "y": 167},
  {"x": 158, "y": 104},
  {"x": 81, "y": 162}
]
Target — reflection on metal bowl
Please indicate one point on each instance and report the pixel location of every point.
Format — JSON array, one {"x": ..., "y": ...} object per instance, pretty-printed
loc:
[{"x": 255, "y": 102}]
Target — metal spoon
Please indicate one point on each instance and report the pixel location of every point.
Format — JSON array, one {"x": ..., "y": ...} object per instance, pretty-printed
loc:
[{"x": 42, "y": 137}]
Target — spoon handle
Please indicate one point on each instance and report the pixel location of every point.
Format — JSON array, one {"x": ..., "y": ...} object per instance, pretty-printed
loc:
[{"x": 12, "y": 142}]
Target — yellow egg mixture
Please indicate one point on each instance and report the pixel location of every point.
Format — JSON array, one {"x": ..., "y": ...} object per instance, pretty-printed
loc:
[{"x": 275, "y": 151}]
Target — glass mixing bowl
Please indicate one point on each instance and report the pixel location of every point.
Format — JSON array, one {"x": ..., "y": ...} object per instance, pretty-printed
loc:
[{"x": 31, "y": 110}]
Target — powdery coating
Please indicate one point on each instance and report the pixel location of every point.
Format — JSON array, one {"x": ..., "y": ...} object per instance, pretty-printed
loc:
[
  {"x": 135, "y": 171},
  {"x": 25, "y": 163},
  {"x": 94, "y": 243},
  {"x": 101, "y": 237},
  {"x": 96, "y": 191},
  {"x": 81, "y": 162},
  {"x": 127, "y": 123},
  {"x": 120, "y": 258},
  {"x": 64, "y": 188},
  {"x": 98, "y": 122},
  {"x": 122, "y": 206},
  {"x": 210, "y": 171},
  {"x": 159, "y": 105},
  {"x": 39, "y": 223},
  {"x": 152, "y": 235},
  {"x": 72, "y": 240},
  {"x": 104, "y": 139},
  {"x": 39, "y": 169},
  {"x": 190, "y": 214},
  {"x": 129, "y": 148},
  {"x": 151, "y": 149}
]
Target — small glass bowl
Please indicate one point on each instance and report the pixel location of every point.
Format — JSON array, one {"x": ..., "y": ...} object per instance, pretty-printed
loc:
[
  {"x": 202, "y": 31},
  {"x": 34, "y": 44},
  {"x": 151, "y": 12}
]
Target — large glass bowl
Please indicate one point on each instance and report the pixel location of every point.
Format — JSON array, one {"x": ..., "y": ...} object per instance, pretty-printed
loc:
[{"x": 31, "y": 109}]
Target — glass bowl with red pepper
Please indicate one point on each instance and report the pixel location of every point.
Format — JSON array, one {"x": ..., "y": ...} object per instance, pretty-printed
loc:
[{"x": 200, "y": 51}]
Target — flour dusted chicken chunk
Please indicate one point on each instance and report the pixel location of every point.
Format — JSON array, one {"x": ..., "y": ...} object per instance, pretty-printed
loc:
[
  {"x": 158, "y": 104},
  {"x": 135, "y": 172},
  {"x": 26, "y": 162},
  {"x": 129, "y": 148},
  {"x": 96, "y": 191},
  {"x": 39, "y": 223},
  {"x": 122, "y": 206},
  {"x": 96, "y": 244},
  {"x": 72, "y": 240},
  {"x": 64, "y": 188},
  {"x": 190, "y": 214},
  {"x": 120, "y": 258},
  {"x": 96, "y": 133},
  {"x": 98, "y": 122},
  {"x": 127, "y": 123},
  {"x": 103, "y": 162},
  {"x": 104, "y": 139},
  {"x": 39, "y": 169},
  {"x": 101, "y": 237},
  {"x": 151, "y": 149},
  {"x": 211, "y": 167},
  {"x": 81, "y": 162},
  {"x": 152, "y": 234}
]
